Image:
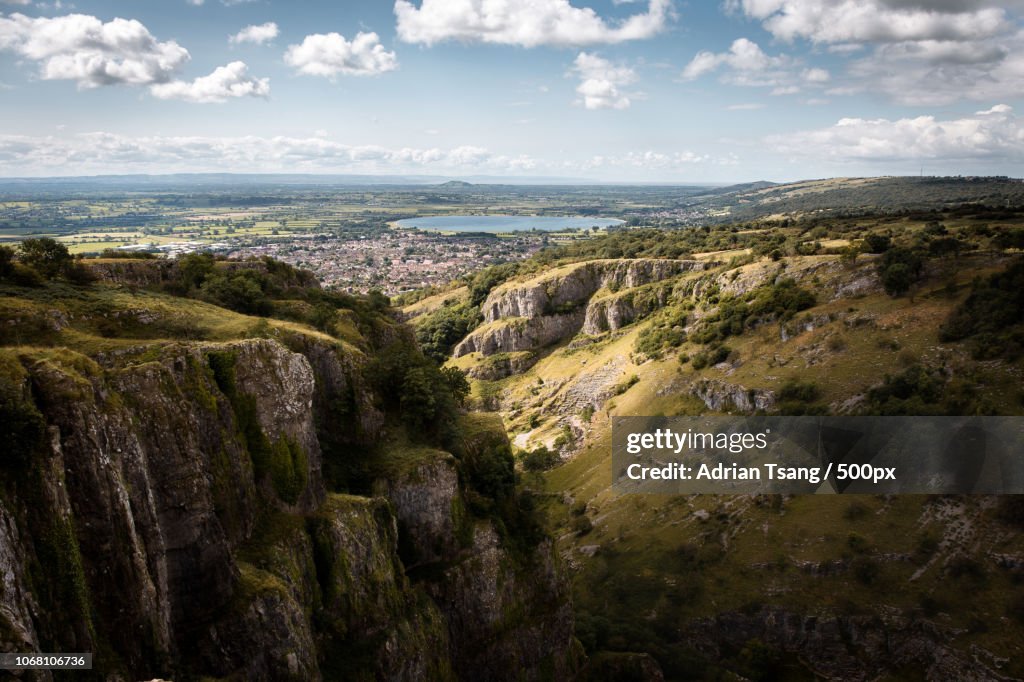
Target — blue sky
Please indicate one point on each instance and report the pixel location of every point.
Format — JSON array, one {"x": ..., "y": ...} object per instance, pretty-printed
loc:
[{"x": 648, "y": 90}]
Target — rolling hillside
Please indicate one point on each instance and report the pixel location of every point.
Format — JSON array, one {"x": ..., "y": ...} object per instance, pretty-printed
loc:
[{"x": 871, "y": 315}]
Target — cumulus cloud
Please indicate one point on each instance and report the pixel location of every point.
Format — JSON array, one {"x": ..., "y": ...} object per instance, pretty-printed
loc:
[
  {"x": 917, "y": 52},
  {"x": 330, "y": 54},
  {"x": 648, "y": 160},
  {"x": 106, "y": 152},
  {"x": 226, "y": 82},
  {"x": 942, "y": 72},
  {"x": 528, "y": 23},
  {"x": 743, "y": 55},
  {"x": 600, "y": 81},
  {"x": 875, "y": 21},
  {"x": 91, "y": 52},
  {"x": 994, "y": 134},
  {"x": 747, "y": 64},
  {"x": 258, "y": 34}
]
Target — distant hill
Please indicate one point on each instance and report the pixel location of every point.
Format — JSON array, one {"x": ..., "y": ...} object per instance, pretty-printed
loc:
[{"x": 834, "y": 196}]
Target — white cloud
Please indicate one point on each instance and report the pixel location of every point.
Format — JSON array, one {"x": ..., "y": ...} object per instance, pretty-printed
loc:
[
  {"x": 815, "y": 75},
  {"x": 600, "y": 81},
  {"x": 995, "y": 134},
  {"x": 936, "y": 73},
  {"x": 103, "y": 152},
  {"x": 749, "y": 106},
  {"x": 331, "y": 54},
  {"x": 874, "y": 21},
  {"x": 226, "y": 82},
  {"x": 90, "y": 52},
  {"x": 17, "y": 2},
  {"x": 747, "y": 64},
  {"x": 258, "y": 34},
  {"x": 646, "y": 160},
  {"x": 743, "y": 55},
  {"x": 527, "y": 23}
]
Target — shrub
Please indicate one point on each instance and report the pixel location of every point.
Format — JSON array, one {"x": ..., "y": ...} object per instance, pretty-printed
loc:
[
  {"x": 443, "y": 328},
  {"x": 624, "y": 386},
  {"x": 799, "y": 391},
  {"x": 457, "y": 384},
  {"x": 418, "y": 401},
  {"x": 779, "y": 301},
  {"x": 710, "y": 357},
  {"x": 876, "y": 243},
  {"x": 239, "y": 291},
  {"x": 994, "y": 306},
  {"x": 324, "y": 317},
  {"x": 6, "y": 262},
  {"x": 582, "y": 524},
  {"x": 900, "y": 269},
  {"x": 540, "y": 459},
  {"x": 46, "y": 256}
]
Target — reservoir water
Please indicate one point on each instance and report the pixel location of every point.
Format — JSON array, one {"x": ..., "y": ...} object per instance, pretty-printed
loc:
[{"x": 505, "y": 223}]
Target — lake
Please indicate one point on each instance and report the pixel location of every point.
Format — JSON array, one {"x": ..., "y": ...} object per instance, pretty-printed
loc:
[{"x": 505, "y": 223}]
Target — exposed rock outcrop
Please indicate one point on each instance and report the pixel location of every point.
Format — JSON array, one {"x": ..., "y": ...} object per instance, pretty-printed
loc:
[
  {"x": 531, "y": 315},
  {"x": 170, "y": 508},
  {"x": 503, "y": 365},
  {"x": 520, "y": 334},
  {"x": 721, "y": 395},
  {"x": 573, "y": 285}
]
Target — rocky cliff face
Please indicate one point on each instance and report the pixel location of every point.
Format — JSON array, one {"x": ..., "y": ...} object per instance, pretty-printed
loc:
[
  {"x": 167, "y": 511},
  {"x": 520, "y": 334},
  {"x": 528, "y": 316},
  {"x": 573, "y": 286}
]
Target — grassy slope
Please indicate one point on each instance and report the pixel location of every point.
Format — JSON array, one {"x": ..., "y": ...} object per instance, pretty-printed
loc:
[{"x": 657, "y": 556}]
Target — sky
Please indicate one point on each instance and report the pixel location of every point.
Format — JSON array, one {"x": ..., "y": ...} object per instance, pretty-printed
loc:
[{"x": 608, "y": 90}]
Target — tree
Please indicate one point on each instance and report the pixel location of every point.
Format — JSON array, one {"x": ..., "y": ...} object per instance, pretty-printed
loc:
[
  {"x": 324, "y": 316},
  {"x": 877, "y": 243},
  {"x": 418, "y": 401},
  {"x": 457, "y": 383},
  {"x": 46, "y": 256},
  {"x": 194, "y": 269},
  {"x": 899, "y": 270},
  {"x": 6, "y": 262}
]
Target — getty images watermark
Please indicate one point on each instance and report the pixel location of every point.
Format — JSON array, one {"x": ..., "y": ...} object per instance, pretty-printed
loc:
[{"x": 680, "y": 455}]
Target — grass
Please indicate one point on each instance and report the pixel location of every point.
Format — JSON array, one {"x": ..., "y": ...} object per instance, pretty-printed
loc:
[
  {"x": 103, "y": 318},
  {"x": 808, "y": 554}
]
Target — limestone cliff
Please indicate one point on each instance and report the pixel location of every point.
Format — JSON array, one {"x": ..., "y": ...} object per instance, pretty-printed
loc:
[
  {"x": 525, "y": 316},
  {"x": 165, "y": 508}
]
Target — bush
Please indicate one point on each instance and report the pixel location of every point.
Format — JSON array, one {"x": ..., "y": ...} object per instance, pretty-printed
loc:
[
  {"x": 581, "y": 525},
  {"x": 900, "y": 269},
  {"x": 239, "y": 291},
  {"x": 418, "y": 401},
  {"x": 540, "y": 459},
  {"x": 46, "y": 256},
  {"x": 994, "y": 305},
  {"x": 443, "y": 328},
  {"x": 780, "y": 301},
  {"x": 6, "y": 262},
  {"x": 876, "y": 243},
  {"x": 799, "y": 391},
  {"x": 457, "y": 383},
  {"x": 624, "y": 386},
  {"x": 711, "y": 357}
]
